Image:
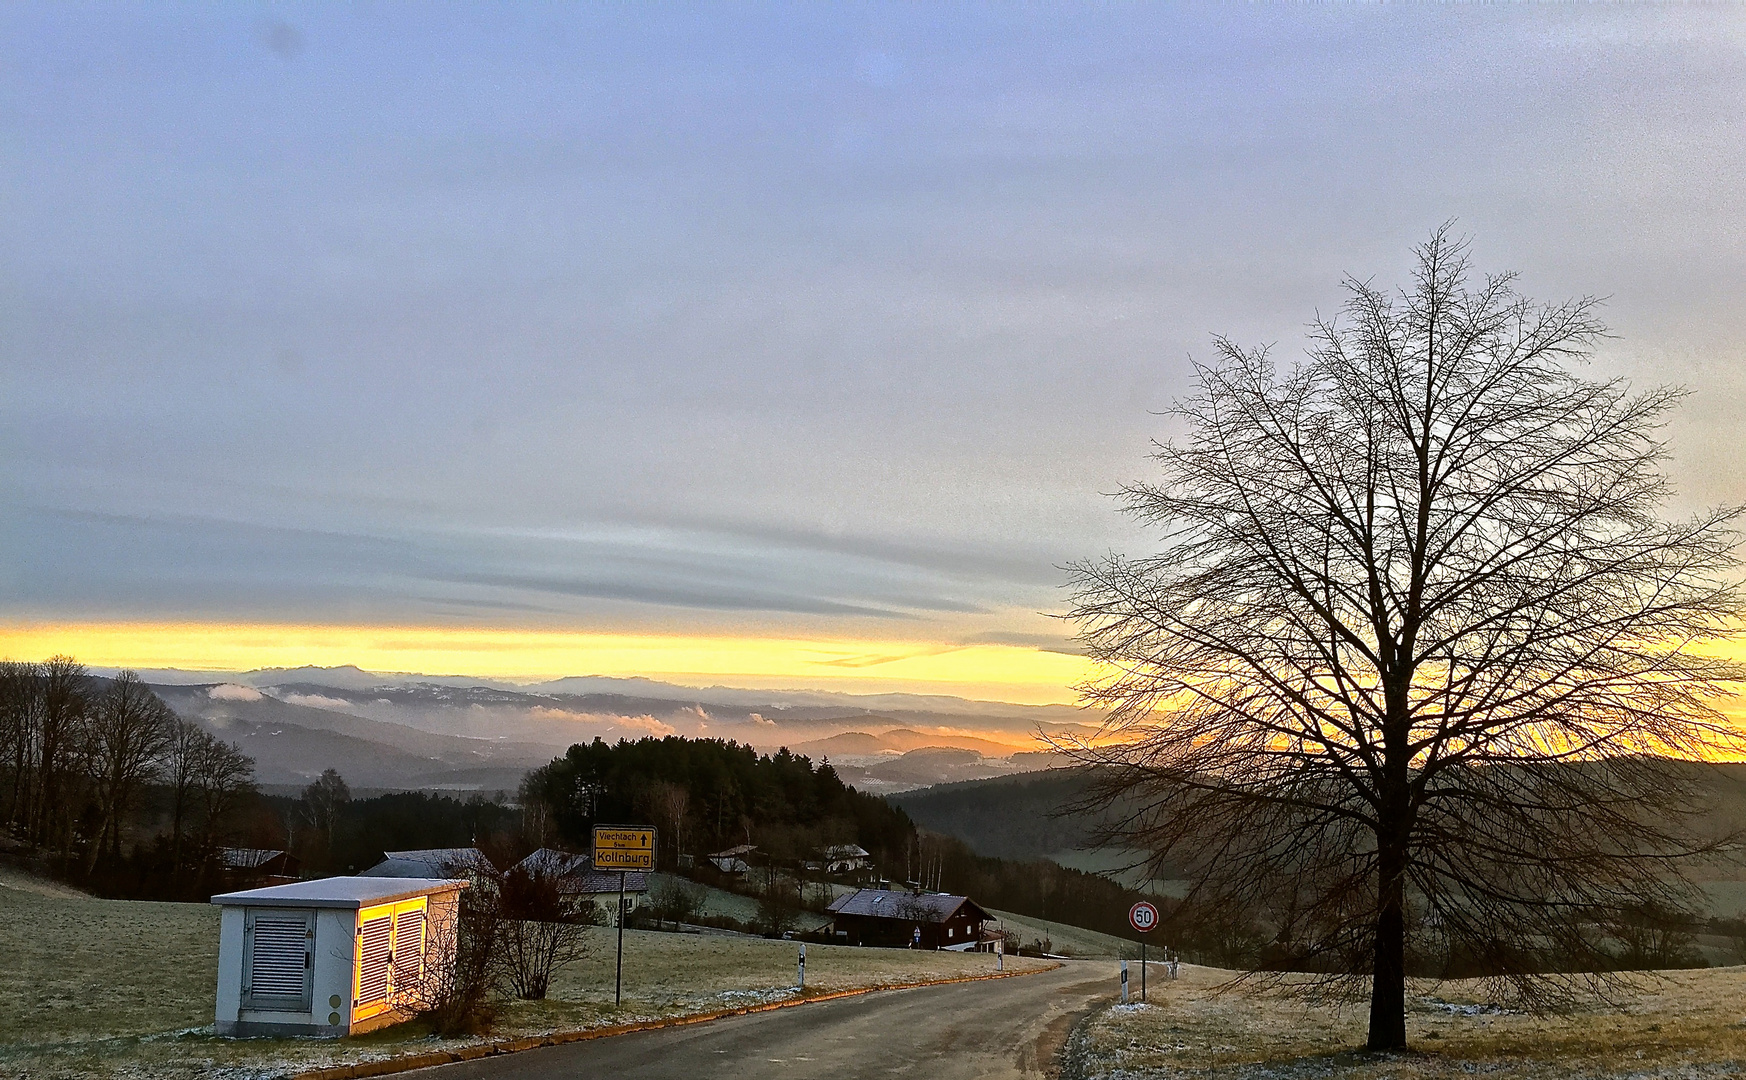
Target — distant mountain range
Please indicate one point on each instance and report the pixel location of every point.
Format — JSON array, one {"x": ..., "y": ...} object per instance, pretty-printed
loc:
[{"x": 404, "y": 731}]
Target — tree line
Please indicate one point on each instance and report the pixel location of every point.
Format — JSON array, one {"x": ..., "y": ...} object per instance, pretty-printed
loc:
[
  {"x": 706, "y": 795},
  {"x": 86, "y": 761}
]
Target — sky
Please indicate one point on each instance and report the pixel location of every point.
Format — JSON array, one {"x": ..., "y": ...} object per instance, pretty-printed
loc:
[{"x": 755, "y": 344}]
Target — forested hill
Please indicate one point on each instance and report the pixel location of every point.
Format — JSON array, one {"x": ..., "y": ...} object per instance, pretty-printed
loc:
[
  {"x": 707, "y": 794},
  {"x": 1021, "y": 817},
  {"x": 1015, "y": 817}
]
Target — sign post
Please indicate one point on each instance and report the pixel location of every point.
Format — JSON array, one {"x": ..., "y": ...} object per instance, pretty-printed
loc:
[
  {"x": 623, "y": 848},
  {"x": 1143, "y": 916}
]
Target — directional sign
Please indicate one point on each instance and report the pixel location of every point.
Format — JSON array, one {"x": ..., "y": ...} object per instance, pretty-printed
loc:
[
  {"x": 1143, "y": 916},
  {"x": 624, "y": 847}
]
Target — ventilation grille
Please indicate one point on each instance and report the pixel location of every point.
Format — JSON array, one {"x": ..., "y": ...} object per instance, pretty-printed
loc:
[
  {"x": 279, "y": 964},
  {"x": 373, "y": 956},
  {"x": 408, "y": 949}
]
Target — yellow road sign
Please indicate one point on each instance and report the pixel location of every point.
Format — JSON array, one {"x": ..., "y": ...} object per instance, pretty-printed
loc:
[{"x": 624, "y": 847}]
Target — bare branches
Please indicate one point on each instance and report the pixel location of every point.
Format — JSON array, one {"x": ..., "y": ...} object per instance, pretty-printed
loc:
[{"x": 1417, "y": 647}]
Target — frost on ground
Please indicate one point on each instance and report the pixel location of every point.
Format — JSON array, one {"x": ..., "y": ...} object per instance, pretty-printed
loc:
[
  {"x": 141, "y": 1006},
  {"x": 1685, "y": 1024}
]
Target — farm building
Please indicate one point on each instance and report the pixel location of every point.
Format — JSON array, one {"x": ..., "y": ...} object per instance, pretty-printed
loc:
[
  {"x": 892, "y": 918},
  {"x": 458, "y": 862},
  {"x": 576, "y": 876},
  {"x": 733, "y": 861},
  {"x": 847, "y": 859},
  {"x": 337, "y": 956},
  {"x": 251, "y": 867}
]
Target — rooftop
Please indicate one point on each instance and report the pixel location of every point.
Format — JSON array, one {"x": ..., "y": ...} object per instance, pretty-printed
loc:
[
  {"x": 431, "y": 863},
  {"x": 338, "y": 892},
  {"x": 911, "y": 907}
]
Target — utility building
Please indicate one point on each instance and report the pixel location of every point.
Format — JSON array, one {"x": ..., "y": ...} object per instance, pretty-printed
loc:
[{"x": 337, "y": 956}]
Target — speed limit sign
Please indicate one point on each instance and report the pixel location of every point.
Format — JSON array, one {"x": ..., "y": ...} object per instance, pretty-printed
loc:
[{"x": 1143, "y": 916}]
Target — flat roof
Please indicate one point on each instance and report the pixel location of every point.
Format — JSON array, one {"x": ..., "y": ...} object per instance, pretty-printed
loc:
[{"x": 339, "y": 892}]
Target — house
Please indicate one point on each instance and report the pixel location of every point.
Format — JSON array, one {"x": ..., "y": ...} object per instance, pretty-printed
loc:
[
  {"x": 244, "y": 867},
  {"x": 847, "y": 859},
  {"x": 907, "y": 919},
  {"x": 460, "y": 862},
  {"x": 338, "y": 956},
  {"x": 734, "y": 860},
  {"x": 576, "y": 876}
]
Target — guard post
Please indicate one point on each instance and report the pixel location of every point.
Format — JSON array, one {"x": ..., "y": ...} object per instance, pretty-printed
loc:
[
  {"x": 1124, "y": 981},
  {"x": 623, "y": 848}
]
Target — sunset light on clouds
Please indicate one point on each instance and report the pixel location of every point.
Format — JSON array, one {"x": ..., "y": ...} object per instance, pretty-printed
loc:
[
  {"x": 989, "y": 672},
  {"x": 780, "y": 348}
]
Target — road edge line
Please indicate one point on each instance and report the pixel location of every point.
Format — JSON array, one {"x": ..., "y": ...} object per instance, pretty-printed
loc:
[{"x": 389, "y": 1066}]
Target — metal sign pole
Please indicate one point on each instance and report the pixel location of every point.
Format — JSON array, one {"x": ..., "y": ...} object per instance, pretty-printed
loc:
[
  {"x": 618, "y": 973},
  {"x": 1142, "y": 969}
]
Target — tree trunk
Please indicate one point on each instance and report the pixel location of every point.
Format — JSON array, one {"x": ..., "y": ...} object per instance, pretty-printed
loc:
[{"x": 1388, "y": 981}]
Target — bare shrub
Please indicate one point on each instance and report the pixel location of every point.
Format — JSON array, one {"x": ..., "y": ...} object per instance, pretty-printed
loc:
[{"x": 542, "y": 928}]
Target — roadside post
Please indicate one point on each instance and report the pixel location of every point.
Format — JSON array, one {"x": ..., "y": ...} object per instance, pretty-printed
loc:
[
  {"x": 1000, "y": 953},
  {"x": 803, "y": 965},
  {"x": 1124, "y": 982},
  {"x": 1143, "y": 916},
  {"x": 623, "y": 848}
]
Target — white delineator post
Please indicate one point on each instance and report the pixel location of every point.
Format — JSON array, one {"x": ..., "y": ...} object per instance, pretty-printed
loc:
[
  {"x": 803, "y": 965},
  {"x": 1000, "y": 953},
  {"x": 1124, "y": 982}
]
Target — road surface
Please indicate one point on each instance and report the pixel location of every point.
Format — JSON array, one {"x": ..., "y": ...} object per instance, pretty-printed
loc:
[{"x": 961, "y": 1031}]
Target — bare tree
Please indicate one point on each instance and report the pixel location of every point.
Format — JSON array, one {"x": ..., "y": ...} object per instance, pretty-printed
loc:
[
  {"x": 322, "y": 802},
  {"x": 20, "y": 722},
  {"x": 1414, "y": 665},
  {"x": 223, "y": 775},
  {"x": 667, "y": 802},
  {"x": 673, "y": 898},
  {"x": 184, "y": 744},
  {"x": 61, "y": 715},
  {"x": 128, "y": 733},
  {"x": 463, "y": 974},
  {"x": 543, "y": 927}
]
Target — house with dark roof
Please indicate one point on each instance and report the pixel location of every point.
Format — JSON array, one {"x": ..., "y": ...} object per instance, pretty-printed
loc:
[
  {"x": 576, "y": 876},
  {"x": 734, "y": 861},
  {"x": 459, "y": 862},
  {"x": 249, "y": 867},
  {"x": 908, "y": 920}
]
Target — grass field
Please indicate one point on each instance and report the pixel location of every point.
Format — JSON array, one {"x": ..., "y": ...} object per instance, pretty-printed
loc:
[
  {"x": 1680, "y": 1024},
  {"x": 109, "y": 988},
  {"x": 1066, "y": 940}
]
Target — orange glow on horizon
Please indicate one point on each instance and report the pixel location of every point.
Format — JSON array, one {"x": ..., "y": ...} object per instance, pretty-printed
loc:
[{"x": 986, "y": 672}]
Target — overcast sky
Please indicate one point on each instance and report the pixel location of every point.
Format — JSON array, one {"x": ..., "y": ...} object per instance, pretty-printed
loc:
[{"x": 822, "y": 319}]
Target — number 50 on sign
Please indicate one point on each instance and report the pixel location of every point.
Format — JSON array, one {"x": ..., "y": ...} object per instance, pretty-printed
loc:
[{"x": 1143, "y": 916}]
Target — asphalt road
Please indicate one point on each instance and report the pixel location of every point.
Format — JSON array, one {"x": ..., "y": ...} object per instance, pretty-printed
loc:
[{"x": 995, "y": 1028}]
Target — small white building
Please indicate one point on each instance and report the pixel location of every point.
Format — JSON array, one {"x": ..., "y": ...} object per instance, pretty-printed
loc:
[{"x": 337, "y": 956}]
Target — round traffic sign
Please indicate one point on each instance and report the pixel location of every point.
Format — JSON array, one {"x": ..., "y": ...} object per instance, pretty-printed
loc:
[{"x": 1143, "y": 916}]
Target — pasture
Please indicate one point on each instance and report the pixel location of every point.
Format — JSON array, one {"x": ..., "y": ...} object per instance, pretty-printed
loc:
[{"x": 112, "y": 988}]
